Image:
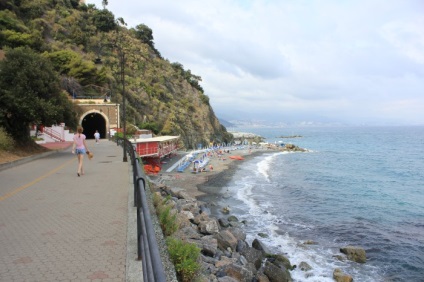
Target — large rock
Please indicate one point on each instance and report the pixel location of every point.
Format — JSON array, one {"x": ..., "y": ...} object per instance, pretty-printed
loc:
[
  {"x": 238, "y": 272},
  {"x": 223, "y": 222},
  {"x": 209, "y": 246},
  {"x": 340, "y": 276},
  {"x": 280, "y": 261},
  {"x": 226, "y": 240},
  {"x": 304, "y": 266},
  {"x": 200, "y": 217},
  {"x": 238, "y": 233},
  {"x": 187, "y": 233},
  {"x": 184, "y": 205},
  {"x": 262, "y": 278},
  {"x": 181, "y": 194},
  {"x": 355, "y": 253},
  {"x": 184, "y": 219},
  {"x": 253, "y": 256},
  {"x": 208, "y": 227},
  {"x": 276, "y": 274},
  {"x": 258, "y": 245}
]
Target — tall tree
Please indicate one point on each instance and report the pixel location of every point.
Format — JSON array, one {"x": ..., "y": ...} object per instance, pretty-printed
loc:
[
  {"x": 30, "y": 93},
  {"x": 144, "y": 34},
  {"x": 104, "y": 3}
]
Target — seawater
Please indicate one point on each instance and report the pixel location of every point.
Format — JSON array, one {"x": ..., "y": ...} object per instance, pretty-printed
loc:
[{"x": 360, "y": 186}]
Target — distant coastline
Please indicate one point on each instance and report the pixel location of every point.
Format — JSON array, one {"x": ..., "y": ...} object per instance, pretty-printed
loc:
[{"x": 291, "y": 136}]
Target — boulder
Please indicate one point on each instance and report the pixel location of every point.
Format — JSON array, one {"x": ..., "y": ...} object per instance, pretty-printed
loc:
[
  {"x": 253, "y": 256},
  {"x": 183, "y": 219},
  {"x": 354, "y": 253},
  {"x": 208, "y": 227},
  {"x": 276, "y": 274},
  {"x": 238, "y": 233},
  {"x": 304, "y": 266},
  {"x": 184, "y": 205},
  {"x": 238, "y": 272},
  {"x": 223, "y": 222},
  {"x": 199, "y": 218},
  {"x": 226, "y": 240},
  {"x": 187, "y": 233},
  {"x": 258, "y": 245},
  {"x": 340, "y": 276},
  {"x": 224, "y": 261},
  {"x": 209, "y": 246},
  {"x": 232, "y": 218},
  {"x": 280, "y": 261},
  {"x": 262, "y": 278}
]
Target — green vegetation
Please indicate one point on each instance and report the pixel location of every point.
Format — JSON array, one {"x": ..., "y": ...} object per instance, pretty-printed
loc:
[
  {"x": 153, "y": 126},
  {"x": 6, "y": 141},
  {"x": 167, "y": 219},
  {"x": 183, "y": 255},
  {"x": 185, "y": 258},
  {"x": 30, "y": 93},
  {"x": 83, "y": 45}
]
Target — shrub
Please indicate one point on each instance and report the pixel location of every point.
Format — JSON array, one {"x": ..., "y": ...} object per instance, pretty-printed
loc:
[
  {"x": 167, "y": 219},
  {"x": 185, "y": 258},
  {"x": 6, "y": 142}
]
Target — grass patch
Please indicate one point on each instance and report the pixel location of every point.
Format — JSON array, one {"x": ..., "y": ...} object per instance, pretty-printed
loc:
[{"x": 185, "y": 258}]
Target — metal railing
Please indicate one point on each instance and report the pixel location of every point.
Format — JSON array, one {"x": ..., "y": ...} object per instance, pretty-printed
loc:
[{"x": 147, "y": 246}]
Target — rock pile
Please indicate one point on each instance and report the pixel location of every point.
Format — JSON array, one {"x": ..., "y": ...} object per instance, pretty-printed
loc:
[{"x": 225, "y": 254}]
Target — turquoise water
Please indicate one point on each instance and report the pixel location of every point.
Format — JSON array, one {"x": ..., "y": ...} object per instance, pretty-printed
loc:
[{"x": 361, "y": 186}]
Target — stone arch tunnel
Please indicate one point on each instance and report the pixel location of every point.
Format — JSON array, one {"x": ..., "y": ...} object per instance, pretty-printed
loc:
[
  {"x": 94, "y": 121},
  {"x": 100, "y": 116}
]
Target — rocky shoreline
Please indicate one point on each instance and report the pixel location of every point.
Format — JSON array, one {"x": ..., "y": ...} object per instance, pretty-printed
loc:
[{"x": 225, "y": 253}]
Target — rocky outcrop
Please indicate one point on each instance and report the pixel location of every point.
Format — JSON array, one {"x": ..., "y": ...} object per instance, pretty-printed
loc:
[
  {"x": 225, "y": 254},
  {"x": 354, "y": 253}
]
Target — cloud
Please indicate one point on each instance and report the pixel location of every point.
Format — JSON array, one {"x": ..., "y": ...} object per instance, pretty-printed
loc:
[{"x": 297, "y": 60}]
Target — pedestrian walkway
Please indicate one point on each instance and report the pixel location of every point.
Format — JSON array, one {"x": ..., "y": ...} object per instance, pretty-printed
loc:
[{"x": 56, "y": 226}]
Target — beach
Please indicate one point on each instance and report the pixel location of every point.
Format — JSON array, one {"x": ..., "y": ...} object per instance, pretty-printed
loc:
[{"x": 210, "y": 182}]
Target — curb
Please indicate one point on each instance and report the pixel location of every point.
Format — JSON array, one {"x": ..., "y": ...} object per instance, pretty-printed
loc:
[{"x": 25, "y": 160}]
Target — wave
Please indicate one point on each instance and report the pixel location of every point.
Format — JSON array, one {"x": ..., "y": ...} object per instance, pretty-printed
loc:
[{"x": 264, "y": 166}]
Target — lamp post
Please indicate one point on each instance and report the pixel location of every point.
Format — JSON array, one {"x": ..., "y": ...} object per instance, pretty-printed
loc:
[
  {"x": 121, "y": 55},
  {"x": 122, "y": 59}
]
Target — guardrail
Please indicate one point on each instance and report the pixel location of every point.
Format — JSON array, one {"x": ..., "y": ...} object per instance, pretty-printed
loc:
[{"x": 147, "y": 246}]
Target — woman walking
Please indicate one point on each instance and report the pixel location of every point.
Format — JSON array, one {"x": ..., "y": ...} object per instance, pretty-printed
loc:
[{"x": 80, "y": 148}]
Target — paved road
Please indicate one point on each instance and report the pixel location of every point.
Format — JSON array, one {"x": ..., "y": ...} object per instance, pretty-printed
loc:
[{"x": 56, "y": 226}]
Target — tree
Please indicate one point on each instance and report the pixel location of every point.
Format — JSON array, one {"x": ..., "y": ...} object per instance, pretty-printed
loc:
[
  {"x": 104, "y": 3},
  {"x": 104, "y": 20},
  {"x": 144, "y": 34},
  {"x": 30, "y": 93}
]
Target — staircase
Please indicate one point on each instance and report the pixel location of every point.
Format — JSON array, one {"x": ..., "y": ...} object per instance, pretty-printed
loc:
[{"x": 54, "y": 134}]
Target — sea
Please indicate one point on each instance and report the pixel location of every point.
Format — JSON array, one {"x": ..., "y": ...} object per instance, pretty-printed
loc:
[{"x": 358, "y": 186}]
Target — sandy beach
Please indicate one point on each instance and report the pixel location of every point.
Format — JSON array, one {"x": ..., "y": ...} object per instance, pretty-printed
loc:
[{"x": 209, "y": 182}]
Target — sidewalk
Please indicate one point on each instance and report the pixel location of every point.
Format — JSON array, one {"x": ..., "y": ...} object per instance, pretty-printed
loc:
[{"x": 56, "y": 226}]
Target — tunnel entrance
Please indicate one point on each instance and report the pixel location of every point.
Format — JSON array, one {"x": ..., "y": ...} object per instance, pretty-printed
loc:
[{"x": 92, "y": 122}]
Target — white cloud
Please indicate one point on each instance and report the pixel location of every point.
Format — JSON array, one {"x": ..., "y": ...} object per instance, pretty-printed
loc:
[{"x": 335, "y": 60}]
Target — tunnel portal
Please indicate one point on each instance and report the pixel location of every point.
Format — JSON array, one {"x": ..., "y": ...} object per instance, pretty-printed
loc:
[{"x": 92, "y": 122}]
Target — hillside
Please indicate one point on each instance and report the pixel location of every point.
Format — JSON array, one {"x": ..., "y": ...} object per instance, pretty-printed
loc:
[{"x": 89, "y": 47}]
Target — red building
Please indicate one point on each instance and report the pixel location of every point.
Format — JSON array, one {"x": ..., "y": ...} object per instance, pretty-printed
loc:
[{"x": 153, "y": 149}]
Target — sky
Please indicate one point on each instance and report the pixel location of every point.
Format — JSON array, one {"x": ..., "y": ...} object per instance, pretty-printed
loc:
[{"x": 357, "y": 62}]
